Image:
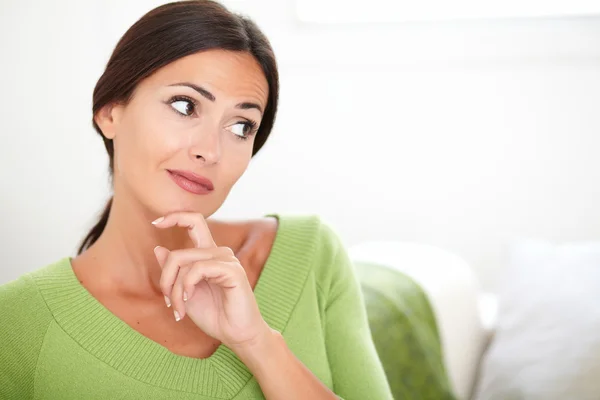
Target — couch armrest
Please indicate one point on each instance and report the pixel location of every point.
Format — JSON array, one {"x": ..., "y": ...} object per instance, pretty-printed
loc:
[{"x": 455, "y": 297}]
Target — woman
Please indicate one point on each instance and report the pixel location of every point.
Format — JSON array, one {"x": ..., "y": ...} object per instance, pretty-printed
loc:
[{"x": 161, "y": 303}]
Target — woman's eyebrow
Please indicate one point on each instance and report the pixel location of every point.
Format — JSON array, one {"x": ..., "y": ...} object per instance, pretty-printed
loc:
[
  {"x": 203, "y": 92},
  {"x": 248, "y": 106},
  {"x": 208, "y": 95}
]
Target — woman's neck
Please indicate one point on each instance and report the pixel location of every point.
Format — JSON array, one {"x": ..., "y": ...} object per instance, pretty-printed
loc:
[{"x": 123, "y": 255}]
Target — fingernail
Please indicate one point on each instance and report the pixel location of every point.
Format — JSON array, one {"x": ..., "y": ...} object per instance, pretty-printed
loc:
[
  {"x": 184, "y": 296},
  {"x": 177, "y": 317},
  {"x": 167, "y": 301},
  {"x": 158, "y": 220}
]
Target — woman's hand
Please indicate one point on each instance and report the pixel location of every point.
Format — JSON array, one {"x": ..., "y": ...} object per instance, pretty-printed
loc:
[{"x": 208, "y": 284}]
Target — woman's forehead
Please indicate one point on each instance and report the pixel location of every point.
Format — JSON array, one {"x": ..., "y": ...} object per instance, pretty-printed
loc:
[{"x": 228, "y": 73}]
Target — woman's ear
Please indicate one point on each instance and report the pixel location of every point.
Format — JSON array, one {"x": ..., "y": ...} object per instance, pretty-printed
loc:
[{"x": 107, "y": 118}]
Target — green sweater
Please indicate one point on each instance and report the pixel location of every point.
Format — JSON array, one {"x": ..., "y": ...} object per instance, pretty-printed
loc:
[{"x": 58, "y": 342}]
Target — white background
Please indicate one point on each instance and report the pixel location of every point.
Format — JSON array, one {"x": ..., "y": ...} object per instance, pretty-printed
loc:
[{"x": 457, "y": 133}]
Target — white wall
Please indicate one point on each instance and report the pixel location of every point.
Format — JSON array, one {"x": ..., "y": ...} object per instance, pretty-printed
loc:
[{"x": 457, "y": 134}]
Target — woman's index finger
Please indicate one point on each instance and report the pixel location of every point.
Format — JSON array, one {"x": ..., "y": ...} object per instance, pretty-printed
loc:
[{"x": 194, "y": 222}]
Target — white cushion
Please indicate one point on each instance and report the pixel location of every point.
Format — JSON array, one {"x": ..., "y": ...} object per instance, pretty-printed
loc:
[{"x": 547, "y": 340}]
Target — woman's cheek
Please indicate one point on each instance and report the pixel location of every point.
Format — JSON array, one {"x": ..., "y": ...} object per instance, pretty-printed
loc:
[
  {"x": 162, "y": 142},
  {"x": 237, "y": 164}
]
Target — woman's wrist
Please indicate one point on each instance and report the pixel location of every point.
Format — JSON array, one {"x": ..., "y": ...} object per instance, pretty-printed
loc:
[{"x": 257, "y": 353}]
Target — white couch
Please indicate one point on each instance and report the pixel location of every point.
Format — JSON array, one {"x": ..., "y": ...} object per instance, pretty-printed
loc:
[{"x": 465, "y": 314}]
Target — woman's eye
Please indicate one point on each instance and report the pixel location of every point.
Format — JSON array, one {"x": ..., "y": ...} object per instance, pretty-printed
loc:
[
  {"x": 184, "y": 107},
  {"x": 241, "y": 129}
]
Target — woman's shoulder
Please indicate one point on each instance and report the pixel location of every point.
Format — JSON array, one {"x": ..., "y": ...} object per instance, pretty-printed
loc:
[
  {"x": 311, "y": 231},
  {"x": 317, "y": 243},
  {"x": 21, "y": 298},
  {"x": 300, "y": 241},
  {"x": 292, "y": 231},
  {"x": 25, "y": 321},
  {"x": 18, "y": 291}
]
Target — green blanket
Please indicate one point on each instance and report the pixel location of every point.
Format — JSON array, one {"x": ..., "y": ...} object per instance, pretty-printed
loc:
[{"x": 405, "y": 334}]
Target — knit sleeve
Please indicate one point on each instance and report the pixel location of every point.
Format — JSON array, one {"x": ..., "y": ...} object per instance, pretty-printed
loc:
[
  {"x": 25, "y": 319},
  {"x": 356, "y": 369}
]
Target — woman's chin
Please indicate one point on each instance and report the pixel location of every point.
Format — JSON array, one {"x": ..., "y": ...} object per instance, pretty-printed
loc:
[{"x": 175, "y": 207}]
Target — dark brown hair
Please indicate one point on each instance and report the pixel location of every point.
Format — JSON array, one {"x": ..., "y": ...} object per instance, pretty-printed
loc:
[{"x": 165, "y": 34}]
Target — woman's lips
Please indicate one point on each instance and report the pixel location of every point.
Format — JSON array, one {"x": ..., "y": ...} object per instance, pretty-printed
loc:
[{"x": 191, "y": 182}]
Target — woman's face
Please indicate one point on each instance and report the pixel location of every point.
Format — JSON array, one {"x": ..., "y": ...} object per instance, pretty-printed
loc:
[{"x": 192, "y": 119}]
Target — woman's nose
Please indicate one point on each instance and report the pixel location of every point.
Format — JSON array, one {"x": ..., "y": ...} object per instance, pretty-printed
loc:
[{"x": 206, "y": 146}]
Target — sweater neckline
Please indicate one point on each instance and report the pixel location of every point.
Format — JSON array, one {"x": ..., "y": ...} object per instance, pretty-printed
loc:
[{"x": 220, "y": 376}]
